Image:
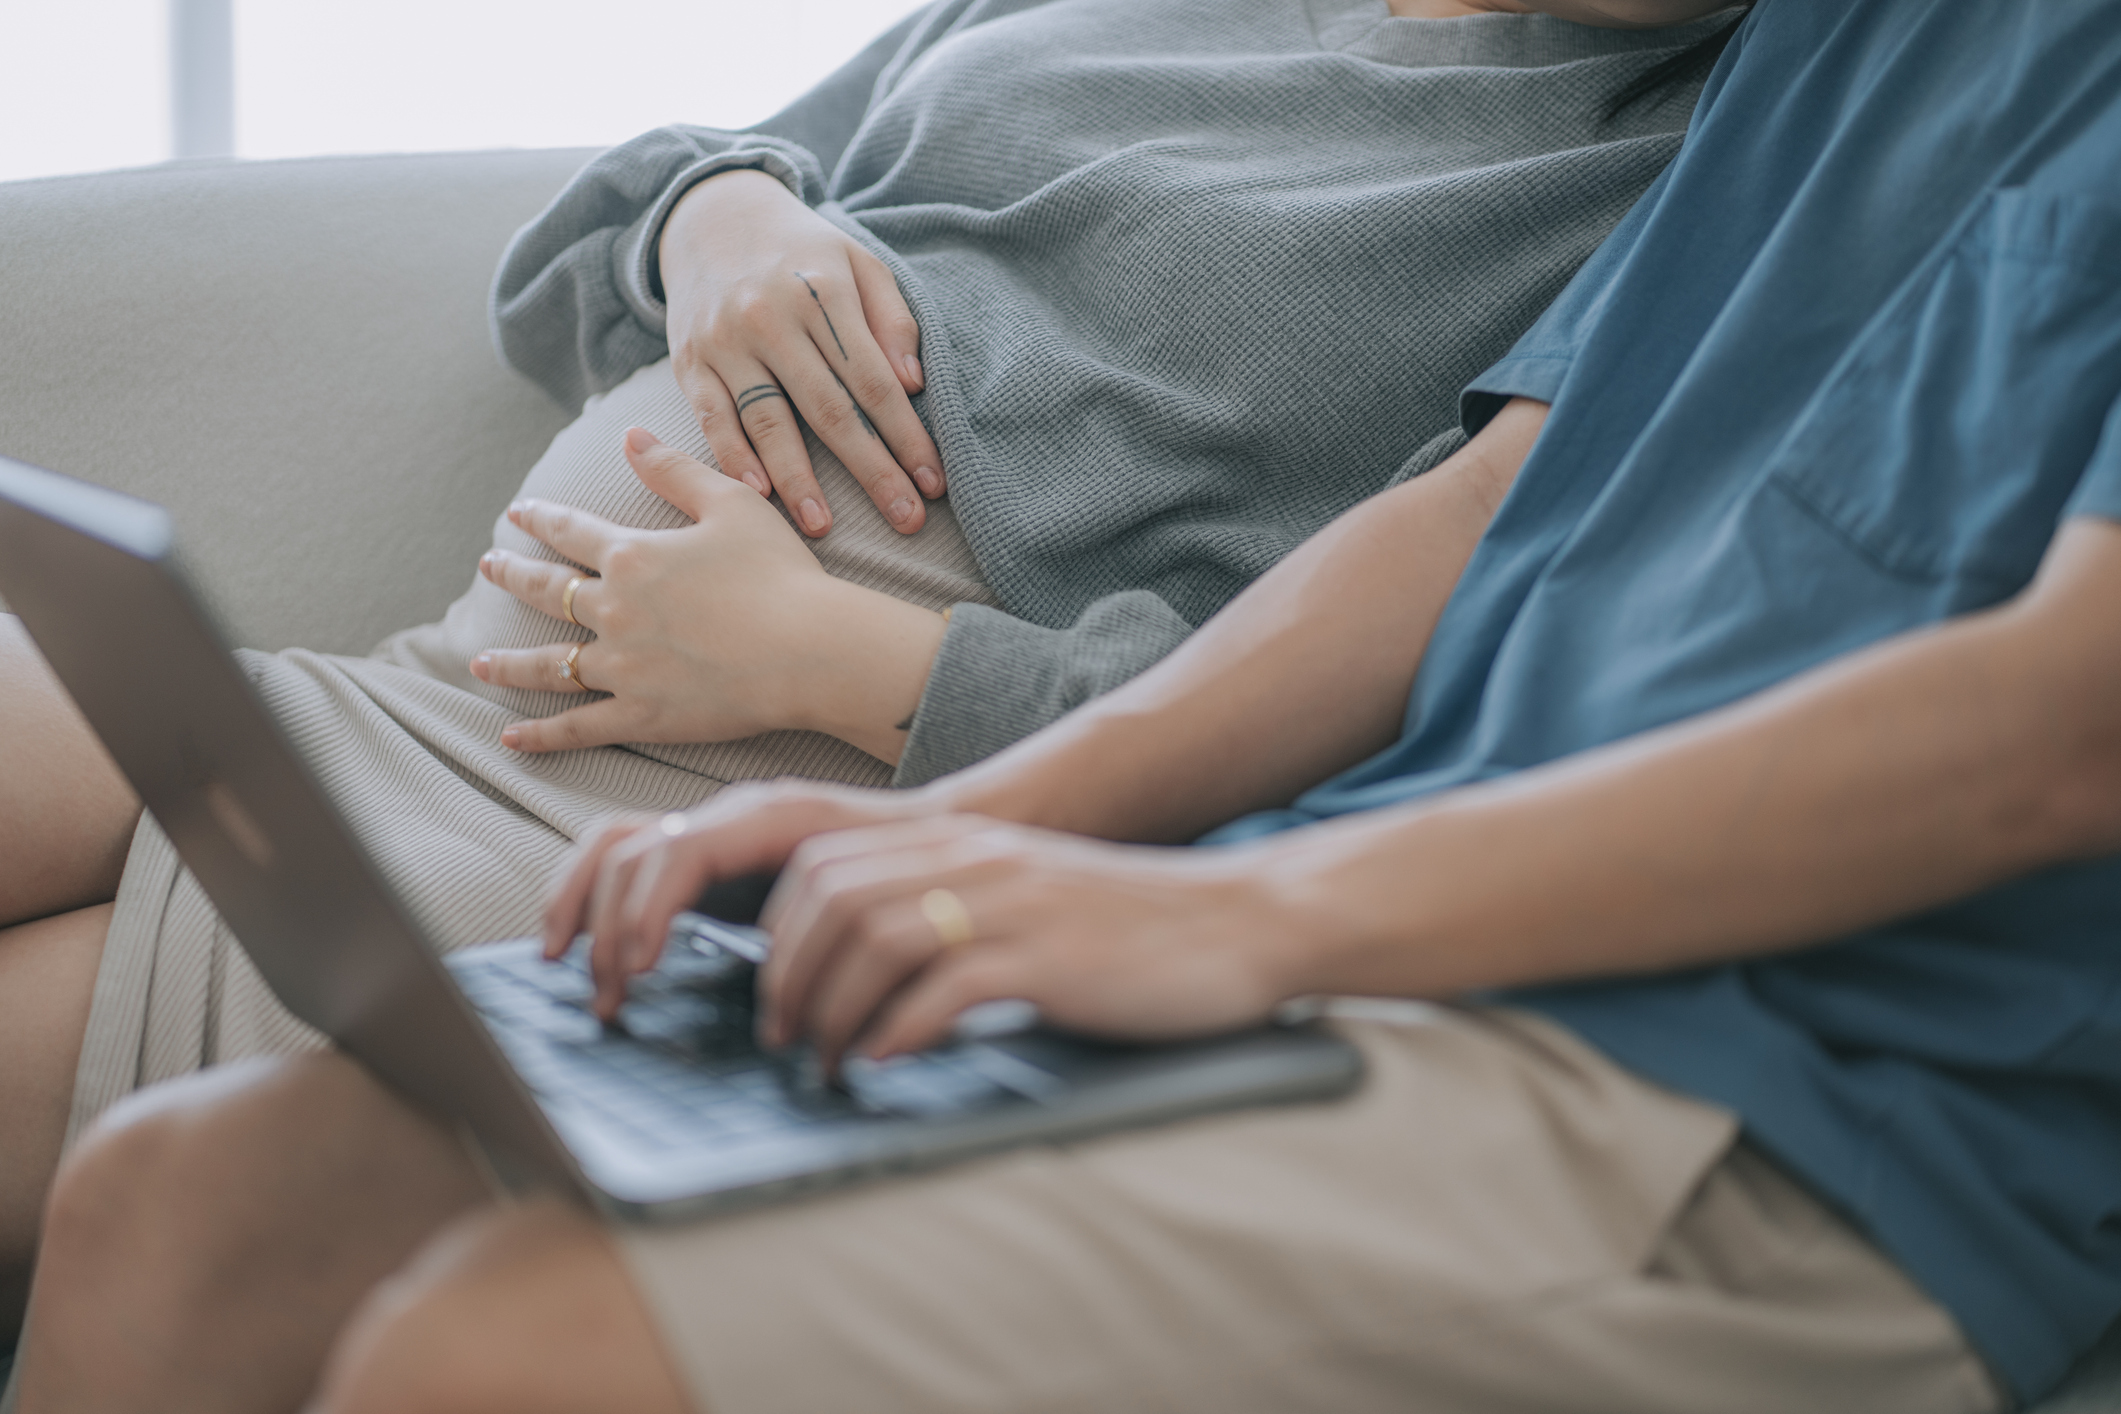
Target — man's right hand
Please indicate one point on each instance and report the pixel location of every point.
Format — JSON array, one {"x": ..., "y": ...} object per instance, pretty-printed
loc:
[{"x": 774, "y": 312}]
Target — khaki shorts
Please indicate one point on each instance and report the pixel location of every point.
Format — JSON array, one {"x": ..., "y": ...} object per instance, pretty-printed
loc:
[{"x": 1499, "y": 1219}]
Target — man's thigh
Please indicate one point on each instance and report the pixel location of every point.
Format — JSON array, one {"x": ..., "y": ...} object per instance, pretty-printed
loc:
[
  {"x": 1495, "y": 1221},
  {"x": 524, "y": 1308}
]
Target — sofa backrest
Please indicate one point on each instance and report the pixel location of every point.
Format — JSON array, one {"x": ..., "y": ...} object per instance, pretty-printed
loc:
[{"x": 293, "y": 357}]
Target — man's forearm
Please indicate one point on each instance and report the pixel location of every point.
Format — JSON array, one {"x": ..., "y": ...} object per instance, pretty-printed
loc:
[
  {"x": 1305, "y": 673},
  {"x": 1911, "y": 773}
]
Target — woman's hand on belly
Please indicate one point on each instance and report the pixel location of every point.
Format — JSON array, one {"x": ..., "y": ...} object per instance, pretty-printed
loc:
[
  {"x": 720, "y": 630},
  {"x": 773, "y": 312}
]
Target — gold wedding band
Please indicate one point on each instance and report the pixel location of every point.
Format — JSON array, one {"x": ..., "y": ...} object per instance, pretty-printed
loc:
[
  {"x": 567, "y": 599},
  {"x": 947, "y": 914},
  {"x": 570, "y": 669}
]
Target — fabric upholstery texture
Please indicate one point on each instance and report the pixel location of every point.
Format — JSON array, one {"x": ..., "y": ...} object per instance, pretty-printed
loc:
[{"x": 292, "y": 356}]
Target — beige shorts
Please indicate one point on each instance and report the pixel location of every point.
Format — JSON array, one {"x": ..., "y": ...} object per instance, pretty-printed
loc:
[{"x": 1499, "y": 1219}]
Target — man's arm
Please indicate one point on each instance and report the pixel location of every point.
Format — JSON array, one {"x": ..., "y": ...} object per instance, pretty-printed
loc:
[
  {"x": 1919, "y": 770},
  {"x": 1925, "y": 768}
]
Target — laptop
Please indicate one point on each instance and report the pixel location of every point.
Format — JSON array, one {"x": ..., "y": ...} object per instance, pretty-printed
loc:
[{"x": 672, "y": 1112}]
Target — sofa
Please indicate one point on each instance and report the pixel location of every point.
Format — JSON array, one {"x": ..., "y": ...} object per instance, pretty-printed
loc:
[{"x": 293, "y": 357}]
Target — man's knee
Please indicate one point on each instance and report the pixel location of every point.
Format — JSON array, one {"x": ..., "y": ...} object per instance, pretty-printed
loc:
[{"x": 524, "y": 1310}]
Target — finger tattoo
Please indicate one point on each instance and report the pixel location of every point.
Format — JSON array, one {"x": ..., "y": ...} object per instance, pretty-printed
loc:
[
  {"x": 830, "y": 328},
  {"x": 859, "y": 411},
  {"x": 758, "y": 393}
]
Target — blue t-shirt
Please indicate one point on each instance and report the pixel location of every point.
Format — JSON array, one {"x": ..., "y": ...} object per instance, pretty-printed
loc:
[{"x": 1841, "y": 374}]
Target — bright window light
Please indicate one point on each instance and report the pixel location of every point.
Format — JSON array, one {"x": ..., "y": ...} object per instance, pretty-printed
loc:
[
  {"x": 422, "y": 75},
  {"x": 84, "y": 85}
]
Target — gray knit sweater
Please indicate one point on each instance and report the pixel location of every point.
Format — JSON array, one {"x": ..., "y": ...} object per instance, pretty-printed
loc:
[{"x": 1193, "y": 277}]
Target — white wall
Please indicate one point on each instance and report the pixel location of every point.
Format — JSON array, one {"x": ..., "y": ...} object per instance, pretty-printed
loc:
[{"x": 84, "y": 83}]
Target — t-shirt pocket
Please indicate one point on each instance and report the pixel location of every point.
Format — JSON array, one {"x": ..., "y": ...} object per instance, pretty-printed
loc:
[{"x": 1949, "y": 438}]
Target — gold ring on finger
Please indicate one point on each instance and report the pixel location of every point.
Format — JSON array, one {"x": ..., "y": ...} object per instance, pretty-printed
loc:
[
  {"x": 947, "y": 914},
  {"x": 570, "y": 666},
  {"x": 567, "y": 599}
]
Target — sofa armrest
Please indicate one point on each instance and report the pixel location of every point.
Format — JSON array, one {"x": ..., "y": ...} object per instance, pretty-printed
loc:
[{"x": 293, "y": 357}]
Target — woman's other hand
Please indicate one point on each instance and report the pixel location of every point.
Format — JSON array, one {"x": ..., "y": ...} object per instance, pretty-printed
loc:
[
  {"x": 719, "y": 630},
  {"x": 773, "y": 311},
  {"x": 884, "y": 935}
]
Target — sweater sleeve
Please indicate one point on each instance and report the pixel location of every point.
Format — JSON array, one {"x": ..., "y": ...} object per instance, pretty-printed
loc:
[
  {"x": 577, "y": 304},
  {"x": 997, "y": 679}
]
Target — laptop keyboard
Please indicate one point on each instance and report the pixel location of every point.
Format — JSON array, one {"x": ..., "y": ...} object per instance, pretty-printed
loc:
[{"x": 682, "y": 1066}]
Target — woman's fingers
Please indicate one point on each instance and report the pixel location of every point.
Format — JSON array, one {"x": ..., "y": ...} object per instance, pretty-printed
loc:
[
  {"x": 543, "y": 585},
  {"x": 890, "y": 322},
  {"x": 769, "y": 420},
  {"x": 601, "y": 723},
  {"x": 716, "y": 410},
  {"x": 774, "y": 313},
  {"x": 576, "y": 534},
  {"x": 538, "y": 669},
  {"x": 865, "y": 416},
  {"x": 690, "y": 485}
]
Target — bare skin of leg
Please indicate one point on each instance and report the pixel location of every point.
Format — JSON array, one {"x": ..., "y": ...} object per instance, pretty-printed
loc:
[
  {"x": 66, "y": 820},
  {"x": 47, "y": 975},
  {"x": 277, "y": 1232},
  {"x": 66, "y": 814}
]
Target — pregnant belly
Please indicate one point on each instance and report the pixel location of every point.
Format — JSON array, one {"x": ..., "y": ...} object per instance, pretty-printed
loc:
[{"x": 584, "y": 468}]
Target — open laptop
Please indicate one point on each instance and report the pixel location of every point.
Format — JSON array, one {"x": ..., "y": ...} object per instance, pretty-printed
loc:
[{"x": 673, "y": 1112}]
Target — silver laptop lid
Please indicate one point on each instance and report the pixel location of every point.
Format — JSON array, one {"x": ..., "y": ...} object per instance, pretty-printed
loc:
[{"x": 91, "y": 575}]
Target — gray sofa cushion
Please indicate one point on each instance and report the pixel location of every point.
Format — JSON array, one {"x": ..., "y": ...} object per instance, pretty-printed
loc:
[{"x": 294, "y": 357}]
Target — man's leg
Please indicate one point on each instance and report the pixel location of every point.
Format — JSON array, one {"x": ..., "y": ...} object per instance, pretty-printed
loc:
[
  {"x": 47, "y": 976},
  {"x": 524, "y": 1309},
  {"x": 66, "y": 814},
  {"x": 1499, "y": 1220}
]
